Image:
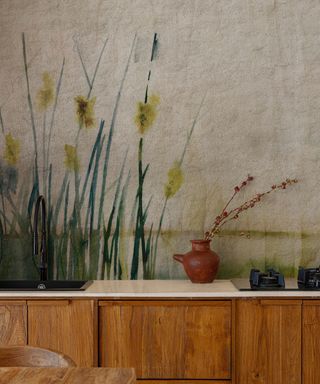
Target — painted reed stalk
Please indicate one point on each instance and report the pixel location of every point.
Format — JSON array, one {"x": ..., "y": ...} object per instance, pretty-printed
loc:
[
  {"x": 111, "y": 241},
  {"x": 86, "y": 118},
  {"x": 33, "y": 125},
  {"x": 55, "y": 104},
  {"x": 3, "y": 220},
  {"x": 174, "y": 182},
  {"x": 144, "y": 119},
  {"x": 107, "y": 257}
]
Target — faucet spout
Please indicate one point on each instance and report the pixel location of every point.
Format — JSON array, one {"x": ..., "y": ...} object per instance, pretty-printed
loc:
[{"x": 43, "y": 267}]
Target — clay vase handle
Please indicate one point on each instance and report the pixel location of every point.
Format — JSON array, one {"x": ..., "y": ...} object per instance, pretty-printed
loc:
[{"x": 178, "y": 258}]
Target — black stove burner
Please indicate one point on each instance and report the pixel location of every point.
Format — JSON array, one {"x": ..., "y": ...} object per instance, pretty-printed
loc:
[
  {"x": 266, "y": 281},
  {"x": 309, "y": 278}
]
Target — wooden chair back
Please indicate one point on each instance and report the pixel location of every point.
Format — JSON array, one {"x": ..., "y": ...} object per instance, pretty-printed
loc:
[{"x": 26, "y": 356}]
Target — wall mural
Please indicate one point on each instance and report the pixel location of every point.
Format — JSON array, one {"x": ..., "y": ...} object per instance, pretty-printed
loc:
[{"x": 135, "y": 120}]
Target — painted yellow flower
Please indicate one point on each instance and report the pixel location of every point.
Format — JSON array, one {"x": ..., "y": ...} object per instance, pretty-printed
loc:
[
  {"x": 12, "y": 150},
  {"x": 45, "y": 95},
  {"x": 71, "y": 160},
  {"x": 146, "y": 113},
  {"x": 175, "y": 180},
  {"x": 85, "y": 111}
]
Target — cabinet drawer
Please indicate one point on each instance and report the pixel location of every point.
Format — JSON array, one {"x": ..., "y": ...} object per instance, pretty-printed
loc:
[
  {"x": 13, "y": 322},
  {"x": 268, "y": 341},
  {"x": 184, "y": 381},
  {"x": 310, "y": 341},
  {"x": 67, "y": 326},
  {"x": 167, "y": 340}
]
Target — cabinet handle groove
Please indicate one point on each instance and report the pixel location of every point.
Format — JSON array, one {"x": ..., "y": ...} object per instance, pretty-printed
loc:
[{"x": 48, "y": 303}]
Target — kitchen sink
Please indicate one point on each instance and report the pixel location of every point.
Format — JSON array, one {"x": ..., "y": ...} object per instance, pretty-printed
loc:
[{"x": 48, "y": 285}]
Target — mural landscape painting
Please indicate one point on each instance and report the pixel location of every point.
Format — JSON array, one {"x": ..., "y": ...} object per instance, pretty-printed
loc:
[{"x": 135, "y": 129}]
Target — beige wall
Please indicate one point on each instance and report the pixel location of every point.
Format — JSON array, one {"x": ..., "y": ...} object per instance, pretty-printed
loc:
[{"x": 256, "y": 63}]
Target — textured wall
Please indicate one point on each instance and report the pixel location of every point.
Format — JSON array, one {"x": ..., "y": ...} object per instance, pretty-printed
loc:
[{"x": 233, "y": 89}]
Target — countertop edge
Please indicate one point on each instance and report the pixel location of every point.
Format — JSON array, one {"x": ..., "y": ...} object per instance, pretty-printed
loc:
[{"x": 157, "y": 290}]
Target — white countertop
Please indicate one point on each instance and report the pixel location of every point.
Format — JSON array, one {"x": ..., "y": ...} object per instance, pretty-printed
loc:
[{"x": 158, "y": 289}]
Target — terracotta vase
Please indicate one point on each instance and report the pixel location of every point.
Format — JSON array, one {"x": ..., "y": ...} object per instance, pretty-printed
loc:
[{"x": 201, "y": 263}]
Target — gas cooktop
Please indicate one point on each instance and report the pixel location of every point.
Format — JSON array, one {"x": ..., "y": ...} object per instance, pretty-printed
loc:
[{"x": 308, "y": 279}]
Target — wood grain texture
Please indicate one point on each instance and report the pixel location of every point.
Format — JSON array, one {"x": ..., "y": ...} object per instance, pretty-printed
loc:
[
  {"x": 48, "y": 302},
  {"x": 70, "y": 329},
  {"x": 67, "y": 375},
  {"x": 26, "y": 356},
  {"x": 167, "y": 341},
  {"x": 177, "y": 302},
  {"x": 233, "y": 346},
  {"x": 310, "y": 342},
  {"x": 13, "y": 323},
  {"x": 184, "y": 381},
  {"x": 268, "y": 342}
]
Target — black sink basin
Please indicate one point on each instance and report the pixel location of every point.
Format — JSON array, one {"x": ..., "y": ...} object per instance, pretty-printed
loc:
[{"x": 49, "y": 285}]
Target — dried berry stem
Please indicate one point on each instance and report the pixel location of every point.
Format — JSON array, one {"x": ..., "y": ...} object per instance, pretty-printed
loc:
[
  {"x": 237, "y": 190},
  {"x": 233, "y": 214}
]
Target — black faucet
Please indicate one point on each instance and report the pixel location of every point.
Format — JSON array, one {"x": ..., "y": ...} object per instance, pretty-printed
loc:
[{"x": 43, "y": 267}]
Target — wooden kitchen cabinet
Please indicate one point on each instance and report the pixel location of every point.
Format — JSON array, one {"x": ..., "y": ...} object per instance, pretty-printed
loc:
[
  {"x": 182, "y": 341},
  {"x": 68, "y": 326},
  {"x": 167, "y": 340},
  {"x": 157, "y": 381},
  {"x": 310, "y": 341},
  {"x": 13, "y": 322},
  {"x": 268, "y": 341}
]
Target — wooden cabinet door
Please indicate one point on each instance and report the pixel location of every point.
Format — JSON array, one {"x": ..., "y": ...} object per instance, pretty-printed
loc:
[
  {"x": 67, "y": 326},
  {"x": 310, "y": 342},
  {"x": 268, "y": 341},
  {"x": 170, "y": 381},
  {"x": 167, "y": 340},
  {"x": 13, "y": 322}
]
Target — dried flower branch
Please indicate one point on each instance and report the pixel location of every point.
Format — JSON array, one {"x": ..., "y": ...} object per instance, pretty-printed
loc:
[{"x": 233, "y": 214}]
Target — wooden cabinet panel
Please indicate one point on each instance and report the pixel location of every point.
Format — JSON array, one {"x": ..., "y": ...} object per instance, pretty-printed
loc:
[
  {"x": 13, "y": 323},
  {"x": 268, "y": 341},
  {"x": 68, "y": 326},
  {"x": 310, "y": 342},
  {"x": 183, "y": 381},
  {"x": 167, "y": 340}
]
